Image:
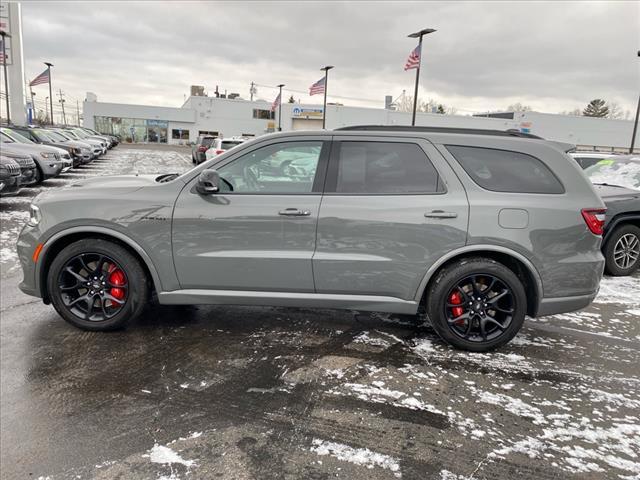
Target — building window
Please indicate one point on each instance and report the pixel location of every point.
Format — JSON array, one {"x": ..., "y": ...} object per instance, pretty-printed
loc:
[
  {"x": 179, "y": 134},
  {"x": 263, "y": 114},
  {"x": 248, "y": 135},
  {"x": 207, "y": 132}
]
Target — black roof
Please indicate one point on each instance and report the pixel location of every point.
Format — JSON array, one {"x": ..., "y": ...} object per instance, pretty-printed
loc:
[{"x": 408, "y": 128}]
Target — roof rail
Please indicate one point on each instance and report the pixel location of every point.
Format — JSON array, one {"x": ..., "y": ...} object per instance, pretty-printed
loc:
[{"x": 407, "y": 128}]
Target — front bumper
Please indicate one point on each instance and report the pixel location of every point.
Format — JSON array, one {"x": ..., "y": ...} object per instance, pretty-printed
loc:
[
  {"x": 27, "y": 176},
  {"x": 10, "y": 186},
  {"x": 50, "y": 168}
]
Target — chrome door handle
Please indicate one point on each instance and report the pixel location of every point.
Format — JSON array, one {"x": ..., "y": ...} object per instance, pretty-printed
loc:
[
  {"x": 294, "y": 212},
  {"x": 440, "y": 214}
]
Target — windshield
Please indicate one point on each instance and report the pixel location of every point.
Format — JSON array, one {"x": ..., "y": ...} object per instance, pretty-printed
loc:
[
  {"x": 70, "y": 134},
  {"x": 615, "y": 172},
  {"x": 5, "y": 138},
  {"x": 43, "y": 135},
  {"x": 80, "y": 133},
  {"x": 227, "y": 144},
  {"x": 15, "y": 136},
  {"x": 60, "y": 136}
]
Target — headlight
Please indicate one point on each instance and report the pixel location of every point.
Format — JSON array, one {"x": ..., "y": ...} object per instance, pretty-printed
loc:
[
  {"x": 34, "y": 215},
  {"x": 46, "y": 155},
  {"x": 77, "y": 151}
]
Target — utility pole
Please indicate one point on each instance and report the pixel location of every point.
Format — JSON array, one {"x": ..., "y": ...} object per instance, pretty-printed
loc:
[
  {"x": 635, "y": 124},
  {"x": 280, "y": 107},
  {"x": 4, "y": 67},
  {"x": 64, "y": 118},
  {"x": 33, "y": 106},
  {"x": 252, "y": 90}
]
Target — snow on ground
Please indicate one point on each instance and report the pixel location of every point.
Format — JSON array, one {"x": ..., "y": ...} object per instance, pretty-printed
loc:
[
  {"x": 358, "y": 456},
  {"x": 164, "y": 455}
]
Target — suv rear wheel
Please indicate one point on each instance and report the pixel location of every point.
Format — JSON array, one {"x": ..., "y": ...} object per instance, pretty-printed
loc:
[
  {"x": 97, "y": 285},
  {"x": 622, "y": 251},
  {"x": 477, "y": 304}
]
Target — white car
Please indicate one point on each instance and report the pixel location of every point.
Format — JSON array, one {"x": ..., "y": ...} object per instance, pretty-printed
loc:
[
  {"x": 221, "y": 145},
  {"x": 586, "y": 159}
]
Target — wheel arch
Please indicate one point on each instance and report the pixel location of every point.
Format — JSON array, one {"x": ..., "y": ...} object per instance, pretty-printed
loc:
[
  {"x": 61, "y": 239},
  {"x": 619, "y": 220},
  {"x": 516, "y": 262}
]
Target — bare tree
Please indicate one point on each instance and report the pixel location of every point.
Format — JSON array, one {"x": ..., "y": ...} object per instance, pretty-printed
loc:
[
  {"x": 616, "y": 112},
  {"x": 518, "y": 107},
  {"x": 576, "y": 112}
]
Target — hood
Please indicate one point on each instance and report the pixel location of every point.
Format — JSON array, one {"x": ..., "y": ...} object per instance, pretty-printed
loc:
[
  {"x": 30, "y": 149},
  {"x": 77, "y": 144},
  {"x": 126, "y": 182},
  {"x": 611, "y": 193}
]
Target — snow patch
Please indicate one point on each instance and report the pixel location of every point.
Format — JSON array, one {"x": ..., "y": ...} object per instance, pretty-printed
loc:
[
  {"x": 357, "y": 456},
  {"x": 164, "y": 455}
]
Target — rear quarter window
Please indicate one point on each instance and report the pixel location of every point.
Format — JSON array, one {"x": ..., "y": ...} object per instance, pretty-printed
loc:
[{"x": 505, "y": 170}]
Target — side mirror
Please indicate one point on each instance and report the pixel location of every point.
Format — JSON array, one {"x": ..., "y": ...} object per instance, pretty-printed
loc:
[{"x": 208, "y": 182}]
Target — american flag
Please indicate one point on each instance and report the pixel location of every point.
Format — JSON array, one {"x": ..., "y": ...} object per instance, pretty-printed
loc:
[
  {"x": 317, "y": 87},
  {"x": 414, "y": 59},
  {"x": 275, "y": 103},
  {"x": 40, "y": 79}
]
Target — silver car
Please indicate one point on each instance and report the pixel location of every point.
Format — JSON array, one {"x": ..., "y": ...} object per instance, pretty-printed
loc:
[
  {"x": 47, "y": 159},
  {"x": 475, "y": 229}
]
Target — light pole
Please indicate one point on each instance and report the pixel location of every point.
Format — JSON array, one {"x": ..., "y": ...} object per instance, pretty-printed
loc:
[
  {"x": 635, "y": 124},
  {"x": 418, "y": 35},
  {"x": 280, "y": 107},
  {"x": 49, "y": 65},
  {"x": 5, "y": 35},
  {"x": 46, "y": 108},
  {"x": 326, "y": 81}
]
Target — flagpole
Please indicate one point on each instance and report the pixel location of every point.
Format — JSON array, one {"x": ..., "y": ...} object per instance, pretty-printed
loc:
[
  {"x": 49, "y": 65},
  {"x": 4, "y": 67},
  {"x": 324, "y": 107},
  {"x": 280, "y": 107},
  {"x": 419, "y": 35}
]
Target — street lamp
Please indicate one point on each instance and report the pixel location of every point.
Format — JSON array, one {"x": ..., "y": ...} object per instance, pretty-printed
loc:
[
  {"x": 49, "y": 65},
  {"x": 4, "y": 36},
  {"x": 326, "y": 80},
  {"x": 280, "y": 107},
  {"x": 635, "y": 124},
  {"x": 418, "y": 35}
]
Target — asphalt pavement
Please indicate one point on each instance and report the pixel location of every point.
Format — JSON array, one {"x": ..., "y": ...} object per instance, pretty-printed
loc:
[{"x": 260, "y": 393}]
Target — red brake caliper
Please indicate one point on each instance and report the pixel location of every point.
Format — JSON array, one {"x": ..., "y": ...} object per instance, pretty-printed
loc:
[
  {"x": 456, "y": 299},
  {"x": 116, "y": 277}
]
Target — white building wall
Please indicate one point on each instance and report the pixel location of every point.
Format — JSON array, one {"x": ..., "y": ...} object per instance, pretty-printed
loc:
[{"x": 235, "y": 117}]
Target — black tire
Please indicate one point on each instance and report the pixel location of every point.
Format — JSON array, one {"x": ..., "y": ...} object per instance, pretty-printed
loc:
[
  {"x": 193, "y": 159},
  {"x": 446, "y": 282},
  {"x": 615, "y": 241},
  {"x": 38, "y": 175},
  {"x": 136, "y": 281}
]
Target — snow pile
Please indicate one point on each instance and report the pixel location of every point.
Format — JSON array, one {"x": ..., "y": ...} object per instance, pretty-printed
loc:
[
  {"x": 357, "y": 456},
  {"x": 623, "y": 174},
  {"x": 164, "y": 455},
  {"x": 624, "y": 290}
]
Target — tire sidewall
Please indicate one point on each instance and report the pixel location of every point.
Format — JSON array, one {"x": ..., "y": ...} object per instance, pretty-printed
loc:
[
  {"x": 137, "y": 290},
  {"x": 610, "y": 264},
  {"x": 445, "y": 281}
]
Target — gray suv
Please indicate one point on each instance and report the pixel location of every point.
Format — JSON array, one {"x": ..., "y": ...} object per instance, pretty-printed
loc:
[{"x": 474, "y": 228}]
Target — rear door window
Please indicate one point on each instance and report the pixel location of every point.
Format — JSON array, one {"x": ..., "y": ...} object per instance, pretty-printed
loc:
[
  {"x": 383, "y": 168},
  {"x": 505, "y": 170}
]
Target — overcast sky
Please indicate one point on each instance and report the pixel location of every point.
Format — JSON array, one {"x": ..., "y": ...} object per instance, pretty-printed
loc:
[{"x": 553, "y": 56}]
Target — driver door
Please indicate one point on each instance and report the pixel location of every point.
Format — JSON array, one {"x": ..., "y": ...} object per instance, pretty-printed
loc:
[{"x": 258, "y": 232}]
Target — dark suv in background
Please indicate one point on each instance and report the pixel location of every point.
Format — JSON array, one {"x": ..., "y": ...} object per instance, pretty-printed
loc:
[{"x": 199, "y": 149}]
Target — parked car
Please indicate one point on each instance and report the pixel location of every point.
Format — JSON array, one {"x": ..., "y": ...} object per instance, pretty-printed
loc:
[
  {"x": 477, "y": 229},
  {"x": 198, "y": 149},
  {"x": 105, "y": 142},
  {"x": 28, "y": 168},
  {"x": 221, "y": 145},
  {"x": 47, "y": 159},
  {"x": 112, "y": 138},
  {"x": 95, "y": 146},
  {"x": 65, "y": 157},
  {"x": 9, "y": 176},
  {"x": 80, "y": 151},
  {"x": 617, "y": 181},
  {"x": 586, "y": 159}
]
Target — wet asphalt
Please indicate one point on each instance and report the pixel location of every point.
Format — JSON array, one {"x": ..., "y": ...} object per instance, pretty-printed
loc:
[{"x": 260, "y": 393}]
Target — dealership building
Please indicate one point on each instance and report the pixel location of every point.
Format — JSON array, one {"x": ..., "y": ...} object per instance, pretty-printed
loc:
[{"x": 227, "y": 117}]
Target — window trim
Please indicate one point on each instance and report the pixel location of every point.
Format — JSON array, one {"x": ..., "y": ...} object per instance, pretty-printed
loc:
[
  {"x": 553, "y": 174},
  {"x": 331, "y": 181},
  {"x": 318, "y": 180}
]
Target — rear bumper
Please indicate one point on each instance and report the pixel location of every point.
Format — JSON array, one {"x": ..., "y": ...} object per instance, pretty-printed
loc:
[{"x": 553, "y": 306}]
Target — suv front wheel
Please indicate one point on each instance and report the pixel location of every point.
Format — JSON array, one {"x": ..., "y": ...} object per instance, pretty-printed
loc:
[
  {"x": 477, "y": 304},
  {"x": 97, "y": 285}
]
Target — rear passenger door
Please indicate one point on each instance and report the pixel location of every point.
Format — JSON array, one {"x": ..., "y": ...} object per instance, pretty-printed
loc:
[{"x": 392, "y": 206}]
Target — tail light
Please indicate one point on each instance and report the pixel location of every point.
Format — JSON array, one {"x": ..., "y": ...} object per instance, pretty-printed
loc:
[
  {"x": 594, "y": 218},
  {"x": 218, "y": 151},
  {"x": 202, "y": 148}
]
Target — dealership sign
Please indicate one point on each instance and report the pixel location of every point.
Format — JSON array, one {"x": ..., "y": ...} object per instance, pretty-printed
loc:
[{"x": 306, "y": 112}]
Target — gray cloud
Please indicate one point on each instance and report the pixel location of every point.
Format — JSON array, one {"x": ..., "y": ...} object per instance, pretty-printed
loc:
[{"x": 551, "y": 55}]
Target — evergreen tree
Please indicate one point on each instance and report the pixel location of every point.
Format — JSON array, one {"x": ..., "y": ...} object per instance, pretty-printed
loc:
[
  {"x": 596, "y": 108},
  {"x": 291, "y": 99}
]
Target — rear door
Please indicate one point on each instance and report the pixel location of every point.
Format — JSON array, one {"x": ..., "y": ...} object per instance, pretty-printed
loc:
[{"x": 392, "y": 207}]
